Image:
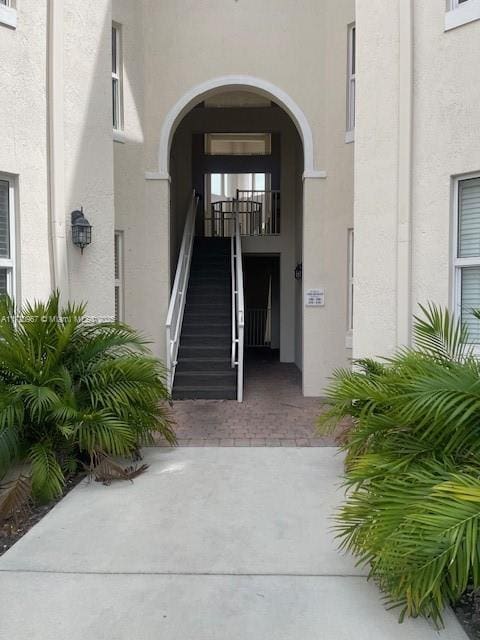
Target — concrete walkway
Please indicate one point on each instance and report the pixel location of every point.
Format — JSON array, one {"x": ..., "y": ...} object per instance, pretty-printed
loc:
[{"x": 209, "y": 544}]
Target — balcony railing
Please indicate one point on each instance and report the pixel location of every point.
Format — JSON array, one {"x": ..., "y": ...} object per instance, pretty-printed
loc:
[{"x": 258, "y": 214}]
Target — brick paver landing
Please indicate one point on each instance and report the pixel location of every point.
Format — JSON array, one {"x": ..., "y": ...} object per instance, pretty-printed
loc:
[{"x": 274, "y": 413}]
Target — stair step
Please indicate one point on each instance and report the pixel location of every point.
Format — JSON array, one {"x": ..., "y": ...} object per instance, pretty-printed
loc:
[
  {"x": 221, "y": 288},
  {"x": 208, "y": 277},
  {"x": 212, "y": 266},
  {"x": 205, "y": 341},
  {"x": 214, "y": 330},
  {"x": 193, "y": 313},
  {"x": 204, "y": 364},
  {"x": 205, "y": 351},
  {"x": 214, "y": 393},
  {"x": 213, "y": 298},
  {"x": 200, "y": 379},
  {"x": 192, "y": 317}
]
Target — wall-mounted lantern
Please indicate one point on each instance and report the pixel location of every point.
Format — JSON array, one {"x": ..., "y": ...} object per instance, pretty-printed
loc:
[
  {"x": 81, "y": 229},
  {"x": 298, "y": 271}
]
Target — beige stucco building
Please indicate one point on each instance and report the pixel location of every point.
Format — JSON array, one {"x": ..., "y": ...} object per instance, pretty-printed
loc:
[{"x": 344, "y": 137}]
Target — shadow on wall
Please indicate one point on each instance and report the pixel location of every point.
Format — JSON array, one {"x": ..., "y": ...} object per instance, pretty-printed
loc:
[{"x": 88, "y": 149}]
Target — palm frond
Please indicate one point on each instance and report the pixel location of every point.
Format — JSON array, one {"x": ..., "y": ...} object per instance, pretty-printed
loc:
[
  {"x": 440, "y": 334},
  {"x": 47, "y": 475},
  {"x": 412, "y": 513},
  {"x": 15, "y": 498}
]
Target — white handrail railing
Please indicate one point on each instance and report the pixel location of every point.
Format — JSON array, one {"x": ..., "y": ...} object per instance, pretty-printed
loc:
[
  {"x": 238, "y": 305},
  {"x": 177, "y": 299}
]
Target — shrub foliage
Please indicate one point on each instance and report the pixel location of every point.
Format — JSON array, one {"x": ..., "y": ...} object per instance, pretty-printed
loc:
[
  {"x": 412, "y": 511},
  {"x": 70, "y": 389}
]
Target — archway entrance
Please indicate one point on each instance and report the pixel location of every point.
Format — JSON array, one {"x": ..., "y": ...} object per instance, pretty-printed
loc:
[{"x": 243, "y": 155}]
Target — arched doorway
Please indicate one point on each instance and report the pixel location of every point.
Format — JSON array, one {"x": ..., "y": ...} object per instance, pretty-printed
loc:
[{"x": 199, "y": 149}]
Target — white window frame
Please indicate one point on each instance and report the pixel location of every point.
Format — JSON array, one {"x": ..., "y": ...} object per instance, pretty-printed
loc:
[
  {"x": 460, "y": 263},
  {"x": 351, "y": 68},
  {"x": 10, "y": 263},
  {"x": 119, "y": 281},
  {"x": 117, "y": 81},
  {"x": 8, "y": 13},
  {"x": 460, "y": 13},
  {"x": 350, "y": 284}
]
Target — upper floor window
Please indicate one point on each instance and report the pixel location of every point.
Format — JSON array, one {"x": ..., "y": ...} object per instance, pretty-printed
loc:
[
  {"x": 351, "y": 83},
  {"x": 117, "y": 81},
  {"x": 7, "y": 235},
  {"x": 461, "y": 12},
  {"x": 8, "y": 13},
  {"x": 467, "y": 254}
]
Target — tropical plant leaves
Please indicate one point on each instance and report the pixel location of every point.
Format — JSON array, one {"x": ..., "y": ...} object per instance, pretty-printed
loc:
[
  {"x": 69, "y": 388},
  {"x": 104, "y": 469},
  {"x": 412, "y": 512},
  {"x": 15, "y": 498},
  {"x": 47, "y": 475}
]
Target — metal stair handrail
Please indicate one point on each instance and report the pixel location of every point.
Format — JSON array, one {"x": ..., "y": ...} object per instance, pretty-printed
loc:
[
  {"x": 176, "y": 307},
  {"x": 238, "y": 304}
]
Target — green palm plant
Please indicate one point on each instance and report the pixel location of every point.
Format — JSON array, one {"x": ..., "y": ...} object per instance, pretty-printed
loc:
[
  {"x": 69, "y": 389},
  {"x": 412, "y": 512}
]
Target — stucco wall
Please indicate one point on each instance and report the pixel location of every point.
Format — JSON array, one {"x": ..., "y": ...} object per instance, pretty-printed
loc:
[
  {"x": 129, "y": 168},
  {"x": 23, "y": 148},
  {"x": 86, "y": 171},
  {"x": 89, "y": 149},
  {"x": 445, "y": 123},
  {"x": 304, "y": 53},
  {"x": 446, "y": 137},
  {"x": 376, "y": 177}
]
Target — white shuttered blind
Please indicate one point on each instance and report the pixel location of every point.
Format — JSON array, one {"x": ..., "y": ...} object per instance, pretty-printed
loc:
[
  {"x": 6, "y": 242},
  {"x": 469, "y": 218},
  {"x": 467, "y": 259}
]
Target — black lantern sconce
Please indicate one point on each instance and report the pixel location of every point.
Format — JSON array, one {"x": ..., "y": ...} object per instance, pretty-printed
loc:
[
  {"x": 299, "y": 271},
  {"x": 81, "y": 229}
]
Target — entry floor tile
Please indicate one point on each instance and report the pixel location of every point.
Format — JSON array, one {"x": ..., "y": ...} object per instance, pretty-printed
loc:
[{"x": 273, "y": 409}]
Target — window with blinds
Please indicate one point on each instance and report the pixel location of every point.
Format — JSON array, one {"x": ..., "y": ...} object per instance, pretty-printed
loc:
[
  {"x": 6, "y": 231},
  {"x": 351, "y": 69},
  {"x": 118, "y": 266},
  {"x": 117, "y": 81},
  {"x": 467, "y": 255}
]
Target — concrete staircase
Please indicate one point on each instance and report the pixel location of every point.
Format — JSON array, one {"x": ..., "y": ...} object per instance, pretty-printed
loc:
[{"x": 204, "y": 358}]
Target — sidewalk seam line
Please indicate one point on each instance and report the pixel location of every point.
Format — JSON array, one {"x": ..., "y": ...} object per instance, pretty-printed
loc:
[{"x": 186, "y": 573}]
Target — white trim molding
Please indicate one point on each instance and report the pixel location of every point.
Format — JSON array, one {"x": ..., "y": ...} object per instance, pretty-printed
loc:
[
  {"x": 119, "y": 136},
  {"x": 196, "y": 94},
  {"x": 8, "y": 16},
  {"x": 56, "y": 147},
  {"x": 156, "y": 175},
  {"x": 315, "y": 175},
  {"x": 9, "y": 263},
  {"x": 462, "y": 13},
  {"x": 404, "y": 164}
]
